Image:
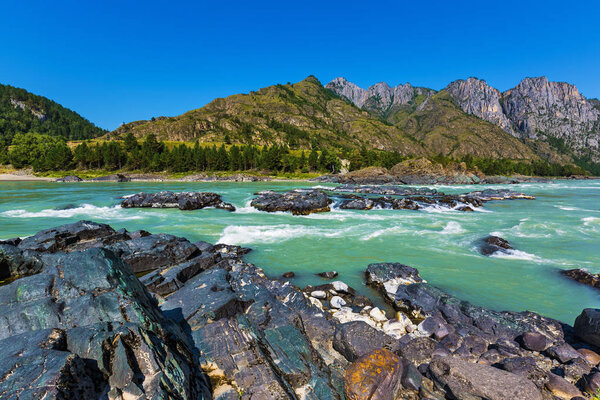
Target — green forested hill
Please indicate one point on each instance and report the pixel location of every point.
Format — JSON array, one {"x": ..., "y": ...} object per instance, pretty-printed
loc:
[
  {"x": 23, "y": 112},
  {"x": 305, "y": 114}
]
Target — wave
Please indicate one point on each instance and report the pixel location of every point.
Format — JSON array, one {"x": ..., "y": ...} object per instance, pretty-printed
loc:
[
  {"x": 452, "y": 228},
  {"x": 517, "y": 255},
  {"x": 246, "y": 234},
  {"x": 587, "y": 221},
  {"x": 115, "y": 212},
  {"x": 386, "y": 231}
]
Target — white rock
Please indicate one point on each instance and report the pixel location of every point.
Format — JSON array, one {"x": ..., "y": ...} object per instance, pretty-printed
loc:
[
  {"x": 318, "y": 294},
  {"x": 340, "y": 286},
  {"x": 337, "y": 302},
  {"x": 394, "y": 328},
  {"x": 411, "y": 328},
  {"x": 345, "y": 314},
  {"x": 315, "y": 302},
  {"x": 377, "y": 315}
]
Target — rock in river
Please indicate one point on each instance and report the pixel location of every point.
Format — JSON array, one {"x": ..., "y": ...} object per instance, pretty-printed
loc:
[
  {"x": 492, "y": 244},
  {"x": 183, "y": 200},
  {"x": 298, "y": 202}
]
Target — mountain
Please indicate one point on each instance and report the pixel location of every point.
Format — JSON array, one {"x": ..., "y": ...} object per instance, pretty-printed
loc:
[
  {"x": 21, "y": 112},
  {"x": 411, "y": 120}
]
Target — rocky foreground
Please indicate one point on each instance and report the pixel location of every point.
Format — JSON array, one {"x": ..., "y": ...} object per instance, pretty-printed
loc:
[{"x": 201, "y": 323}]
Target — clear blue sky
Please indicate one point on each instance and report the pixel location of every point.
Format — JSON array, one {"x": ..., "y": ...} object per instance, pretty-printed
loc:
[{"x": 119, "y": 61}]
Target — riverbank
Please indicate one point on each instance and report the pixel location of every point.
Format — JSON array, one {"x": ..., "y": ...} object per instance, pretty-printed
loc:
[{"x": 202, "y": 313}]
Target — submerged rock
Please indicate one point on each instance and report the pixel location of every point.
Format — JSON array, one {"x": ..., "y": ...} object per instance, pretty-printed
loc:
[
  {"x": 183, "y": 200},
  {"x": 298, "y": 202}
]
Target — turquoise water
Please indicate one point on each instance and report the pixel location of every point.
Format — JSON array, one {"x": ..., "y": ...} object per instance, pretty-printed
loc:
[{"x": 561, "y": 229}]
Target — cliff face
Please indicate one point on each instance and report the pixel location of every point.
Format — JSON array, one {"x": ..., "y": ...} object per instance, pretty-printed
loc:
[
  {"x": 537, "y": 107},
  {"x": 535, "y": 110},
  {"x": 474, "y": 96},
  {"x": 380, "y": 98}
]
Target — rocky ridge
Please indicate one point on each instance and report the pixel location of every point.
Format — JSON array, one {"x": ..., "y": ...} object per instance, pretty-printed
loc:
[{"x": 536, "y": 109}]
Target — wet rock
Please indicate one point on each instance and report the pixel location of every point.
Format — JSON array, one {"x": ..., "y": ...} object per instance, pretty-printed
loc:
[
  {"x": 467, "y": 381},
  {"x": 88, "y": 306},
  {"x": 561, "y": 388},
  {"x": 374, "y": 376},
  {"x": 183, "y": 200},
  {"x": 389, "y": 276},
  {"x": 358, "y": 204},
  {"x": 493, "y": 244},
  {"x": 355, "y": 339},
  {"x": 583, "y": 276},
  {"x": 66, "y": 236},
  {"x": 587, "y": 326},
  {"x": 328, "y": 274},
  {"x": 298, "y": 202},
  {"x": 69, "y": 178},
  {"x": 499, "y": 194},
  {"x": 534, "y": 341},
  {"x": 288, "y": 275}
]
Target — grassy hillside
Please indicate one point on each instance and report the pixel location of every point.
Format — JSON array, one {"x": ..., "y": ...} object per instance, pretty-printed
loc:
[
  {"x": 22, "y": 112},
  {"x": 305, "y": 114}
]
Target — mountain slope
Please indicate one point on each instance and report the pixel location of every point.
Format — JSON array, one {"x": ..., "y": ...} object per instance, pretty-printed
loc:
[
  {"x": 22, "y": 112},
  {"x": 411, "y": 121}
]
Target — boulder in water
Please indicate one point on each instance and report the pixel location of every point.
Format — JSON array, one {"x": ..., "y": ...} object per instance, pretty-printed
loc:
[
  {"x": 183, "y": 200},
  {"x": 492, "y": 244},
  {"x": 69, "y": 178},
  {"x": 298, "y": 202}
]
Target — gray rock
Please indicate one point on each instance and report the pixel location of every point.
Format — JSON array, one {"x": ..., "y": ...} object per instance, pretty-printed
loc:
[
  {"x": 298, "y": 202},
  {"x": 183, "y": 200},
  {"x": 587, "y": 326},
  {"x": 355, "y": 339},
  {"x": 467, "y": 381},
  {"x": 69, "y": 178},
  {"x": 563, "y": 353},
  {"x": 534, "y": 341}
]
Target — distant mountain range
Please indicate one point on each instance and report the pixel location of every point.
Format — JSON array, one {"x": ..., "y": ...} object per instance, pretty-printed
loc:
[
  {"x": 537, "y": 119},
  {"x": 21, "y": 111}
]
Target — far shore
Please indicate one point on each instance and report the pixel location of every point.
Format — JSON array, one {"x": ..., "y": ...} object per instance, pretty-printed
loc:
[{"x": 23, "y": 178}]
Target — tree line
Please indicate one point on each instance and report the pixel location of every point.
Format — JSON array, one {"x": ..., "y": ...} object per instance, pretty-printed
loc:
[{"x": 52, "y": 153}]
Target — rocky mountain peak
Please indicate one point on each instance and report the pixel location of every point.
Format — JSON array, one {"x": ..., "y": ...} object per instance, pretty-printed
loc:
[
  {"x": 537, "y": 107},
  {"x": 475, "y": 96},
  {"x": 348, "y": 90},
  {"x": 378, "y": 98}
]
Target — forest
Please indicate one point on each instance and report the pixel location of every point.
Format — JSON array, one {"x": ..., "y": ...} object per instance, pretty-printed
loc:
[{"x": 52, "y": 153}]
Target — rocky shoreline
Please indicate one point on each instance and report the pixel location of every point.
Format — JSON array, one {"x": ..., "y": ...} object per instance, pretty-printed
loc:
[{"x": 202, "y": 323}]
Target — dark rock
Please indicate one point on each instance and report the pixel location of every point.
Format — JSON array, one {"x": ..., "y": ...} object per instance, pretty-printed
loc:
[
  {"x": 582, "y": 276},
  {"x": 112, "y": 178},
  {"x": 561, "y": 388},
  {"x": 86, "y": 325},
  {"x": 587, "y": 326},
  {"x": 355, "y": 339},
  {"x": 465, "y": 208},
  {"x": 328, "y": 274},
  {"x": 492, "y": 244},
  {"x": 592, "y": 383},
  {"x": 527, "y": 367},
  {"x": 298, "y": 202},
  {"x": 374, "y": 376},
  {"x": 576, "y": 368},
  {"x": 288, "y": 275},
  {"x": 563, "y": 353},
  {"x": 534, "y": 341},
  {"x": 411, "y": 377},
  {"x": 472, "y": 347},
  {"x": 65, "y": 236},
  {"x": 183, "y": 200},
  {"x": 69, "y": 178},
  {"x": 417, "y": 350},
  {"x": 387, "y": 277},
  {"x": 358, "y": 204},
  {"x": 467, "y": 381}
]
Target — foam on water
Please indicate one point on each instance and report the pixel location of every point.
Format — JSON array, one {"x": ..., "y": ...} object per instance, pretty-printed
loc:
[
  {"x": 246, "y": 234},
  {"x": 452, "y": 228},
  {"x": 383, "y": 232},
  {"x": 88, "y": 210},
  {"x": 517, "y": 255}
]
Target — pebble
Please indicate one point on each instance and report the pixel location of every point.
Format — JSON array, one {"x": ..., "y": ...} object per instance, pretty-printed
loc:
[
  {"x": 318, "y": 294},
  {"x": 337, "y": 302}
]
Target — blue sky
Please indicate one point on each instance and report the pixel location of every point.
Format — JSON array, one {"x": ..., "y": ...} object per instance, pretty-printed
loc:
[{"x": 119, "y": 61}]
